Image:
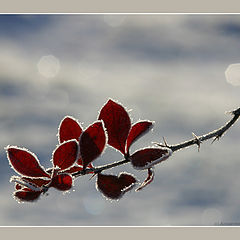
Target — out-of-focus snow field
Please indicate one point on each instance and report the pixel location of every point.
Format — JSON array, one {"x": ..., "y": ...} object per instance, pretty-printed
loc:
[{"x": 166, "y": 68}]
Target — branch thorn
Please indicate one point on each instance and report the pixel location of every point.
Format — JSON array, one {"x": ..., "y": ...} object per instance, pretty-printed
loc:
[
  {"x": 92, "y": 176},
  {"x": 165, "y": 142},
  {"x": 162, "y": 145},
  {"x": 236, "y": 112},
  {"x": 158, "y": 144},
  {"x": 216, "y": 138},
  {"x": 198, "y": 142}
]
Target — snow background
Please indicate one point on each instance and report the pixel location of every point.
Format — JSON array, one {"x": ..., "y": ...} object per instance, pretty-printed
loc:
[{"x": 166, "y": 68}]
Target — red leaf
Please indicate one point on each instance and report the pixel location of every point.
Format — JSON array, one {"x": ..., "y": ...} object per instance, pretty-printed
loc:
[
  {"x": 145, "y": 158},
  {"x": 115, "y": 186},
  {"x": 69, "y": 128},
  {"x": 92, "y": 143},
  {"x": 148, "y": 180},
  {"x": 117, "y": 123},
  {"x": 137, "y": 130},
  {"x": 24, "y": 162},
  {"x": 26, "y": 195},
  {"x": 62, "y": 182},
  {"x": 66, "y": 154}
]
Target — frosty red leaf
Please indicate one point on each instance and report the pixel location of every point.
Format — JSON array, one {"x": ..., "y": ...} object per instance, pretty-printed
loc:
[
  {"x": 77, "y": 150},
  {"x": 26, "y": 195},
  {"x": 25, "y": 163},
  {"x": 145, "y": 158},
  {"x": 115, "y": 186},
  {"x": 137, "y": 130},
  {"x": 62, "y": 182},
  {"x": 117, "y": 123},
  {"x": 69, "y": 129},
  {"x": 66, "y": 154},
  {"x": 92, "y": 143},
  {"x": 148, "y": 180}
]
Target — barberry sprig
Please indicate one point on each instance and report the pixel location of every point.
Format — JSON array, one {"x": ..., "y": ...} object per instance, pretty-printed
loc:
[{"x": 79, "y": 148}]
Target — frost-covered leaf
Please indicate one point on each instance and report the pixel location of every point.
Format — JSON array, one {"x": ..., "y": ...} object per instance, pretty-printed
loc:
[
  {"x": 137, "y": 130},
  {"x": 25, "y": 163},
  {"x": 69, "y": 128},
  {"x": 62, "y": 182},
  {"x": 92, "y": 143},
  {"x": 114, "y": 187},
  {"x": 148, "y": 180},
  {"x": 66, "y": 154},
  {"x": 117, "y": 123},
  {"x": 26, "y": 195},
  {"x": 147, "y": 157}
]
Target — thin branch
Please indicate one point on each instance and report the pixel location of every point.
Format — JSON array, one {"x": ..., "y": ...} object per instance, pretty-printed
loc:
[
  {"x": 216, "y": 134},
  {"x": 100, "y": 169}
]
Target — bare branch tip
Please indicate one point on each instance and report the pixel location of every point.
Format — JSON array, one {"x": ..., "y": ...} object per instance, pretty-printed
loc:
[
  {"x": 236, "y": 112},
  {"x": 162, "y": 145}
]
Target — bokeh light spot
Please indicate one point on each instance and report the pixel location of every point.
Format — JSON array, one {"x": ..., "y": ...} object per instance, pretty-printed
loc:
[
  {"x": 94, "y": 204},
  {"x": 233, "y": 74},
  {"x": 48, "y": 66},
  {"x": 211, "y": 216}
]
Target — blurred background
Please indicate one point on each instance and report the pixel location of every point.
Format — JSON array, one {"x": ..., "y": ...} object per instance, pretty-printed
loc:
[{"x": 166, "y": 68}]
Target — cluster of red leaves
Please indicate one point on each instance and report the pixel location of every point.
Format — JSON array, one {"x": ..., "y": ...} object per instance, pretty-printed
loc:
[{"x": 77, "y": 150}]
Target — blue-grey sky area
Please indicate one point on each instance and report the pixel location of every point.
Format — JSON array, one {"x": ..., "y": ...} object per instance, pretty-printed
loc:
[{"x": 166, "y": 68}]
